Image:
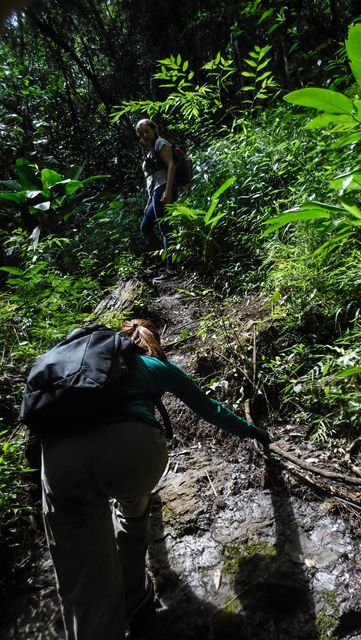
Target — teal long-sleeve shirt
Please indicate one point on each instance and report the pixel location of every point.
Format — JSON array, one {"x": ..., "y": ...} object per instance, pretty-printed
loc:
[{"x": 148, "y": 376}]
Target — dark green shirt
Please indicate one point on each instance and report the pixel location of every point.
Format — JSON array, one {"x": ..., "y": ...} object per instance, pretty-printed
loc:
[{"x": 149, "y": 376}]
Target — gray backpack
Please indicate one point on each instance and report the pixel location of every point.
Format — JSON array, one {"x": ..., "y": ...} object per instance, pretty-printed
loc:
[{"x": 80, "y": 383}]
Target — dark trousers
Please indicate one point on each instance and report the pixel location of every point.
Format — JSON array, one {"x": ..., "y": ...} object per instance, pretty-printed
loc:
[
  {"x": 99, "y": 553},
  {"x": 153, "y": 218}
]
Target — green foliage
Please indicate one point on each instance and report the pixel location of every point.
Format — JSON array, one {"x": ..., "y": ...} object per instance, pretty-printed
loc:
[
  {"x": 13, "y": 493},
  {"x": 192, "y": 229},
  {"x": 41, "y": 304},
  {"x": 45, "y": 193},
  {"x": 190, "y": 101},
  {"x": 346, "y": 116},
  {"x": 353, "y": 49},
  {"x": 186, "y": 99},
  {"x": 260, "y": 78}
]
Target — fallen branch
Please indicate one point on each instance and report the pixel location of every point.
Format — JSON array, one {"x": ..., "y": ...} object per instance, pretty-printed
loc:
[
  {"x": 329, "y": 489},
  {"x": 300, "y": 463},
  {"x": 309, "y": 467}
]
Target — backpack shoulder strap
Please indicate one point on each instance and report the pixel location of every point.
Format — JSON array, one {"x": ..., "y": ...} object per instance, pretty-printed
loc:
[{"x": 165, "y": 416}]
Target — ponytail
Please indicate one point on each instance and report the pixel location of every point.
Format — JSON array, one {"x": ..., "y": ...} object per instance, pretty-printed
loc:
[{"x": 145, "y": 336}]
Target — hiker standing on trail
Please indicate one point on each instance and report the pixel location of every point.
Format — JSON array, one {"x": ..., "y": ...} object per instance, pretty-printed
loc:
[
  {"x": 159, "y": 171},
  {"x": 98, "y": 553}
]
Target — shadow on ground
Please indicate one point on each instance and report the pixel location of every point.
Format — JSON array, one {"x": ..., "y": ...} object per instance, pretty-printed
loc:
[{"x": 272, "y": 601}]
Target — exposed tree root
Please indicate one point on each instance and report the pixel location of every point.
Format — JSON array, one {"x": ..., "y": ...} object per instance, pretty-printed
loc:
[{"x": 340, "y": 477}]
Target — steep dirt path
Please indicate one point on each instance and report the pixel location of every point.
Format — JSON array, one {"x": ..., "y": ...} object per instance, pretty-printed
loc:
[{"x": 240, "y": 547}]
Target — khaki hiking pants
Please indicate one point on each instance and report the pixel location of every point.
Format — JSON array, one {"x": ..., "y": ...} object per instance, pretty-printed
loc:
[{"x": 98, "y": 549}]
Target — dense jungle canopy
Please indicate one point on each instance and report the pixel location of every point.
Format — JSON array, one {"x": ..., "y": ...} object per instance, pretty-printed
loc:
[{"x": 264, "y": 96}]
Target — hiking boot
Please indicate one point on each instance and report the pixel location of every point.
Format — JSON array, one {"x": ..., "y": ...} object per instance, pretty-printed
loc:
[{"x": 166, "y": 275}]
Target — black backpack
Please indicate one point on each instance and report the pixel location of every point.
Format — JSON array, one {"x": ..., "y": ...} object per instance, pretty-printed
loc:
[
  {"x": 183, "y": 166},
  {"x": 79, "y": 383}
]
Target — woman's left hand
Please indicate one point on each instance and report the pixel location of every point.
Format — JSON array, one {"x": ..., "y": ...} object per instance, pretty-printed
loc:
[{"x": 166, "y": 197}]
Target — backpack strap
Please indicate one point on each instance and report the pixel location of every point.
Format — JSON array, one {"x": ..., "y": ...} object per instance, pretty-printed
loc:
[
  {"x": 157, "y": 399},
  {"x": 168, "y": 430}
]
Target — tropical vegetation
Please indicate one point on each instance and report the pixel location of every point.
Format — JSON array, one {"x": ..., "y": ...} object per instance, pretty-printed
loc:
[{"x": 266, "y": 100}]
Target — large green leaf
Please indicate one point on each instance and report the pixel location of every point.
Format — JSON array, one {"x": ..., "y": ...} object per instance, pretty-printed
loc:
[
  {"x": 14, "y": 270},
  {"x": 353, "y": 48},
  {"x": 314, "y": 205},
  {"x": 295, "y": 216},
  {"x": 29, "y": 175},
  {"x": 321, "y": 99},
  {"x": 50, "y": 177},
  {"x": 214, "y": 221},
  {"x": 342, "y": 122},
  {"x": 92, "y": 178},
  {"x": 351, "y": 207},
  {"x": 347, "y": 140},
  {"x": 66, "y": 187},
  {"x": 209, "y": 213},
  {"x": 14, "y": 198},
  {"x": 74, "y": 172}
]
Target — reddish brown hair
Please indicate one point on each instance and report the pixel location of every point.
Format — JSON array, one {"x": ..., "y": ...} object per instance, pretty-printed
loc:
[{"x": 145, "y": 335}]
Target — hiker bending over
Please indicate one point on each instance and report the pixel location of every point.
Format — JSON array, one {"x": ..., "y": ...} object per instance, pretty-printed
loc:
[
  {"x": 159, "y": 171},
  {"x": 98, "y": 552}
]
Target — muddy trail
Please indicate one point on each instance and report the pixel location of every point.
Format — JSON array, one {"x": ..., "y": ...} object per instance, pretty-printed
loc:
[{"x": 243, "y": 546}]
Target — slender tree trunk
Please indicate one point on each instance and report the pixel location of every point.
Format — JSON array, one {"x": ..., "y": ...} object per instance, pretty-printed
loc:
[{"x": 56, "y": 37}]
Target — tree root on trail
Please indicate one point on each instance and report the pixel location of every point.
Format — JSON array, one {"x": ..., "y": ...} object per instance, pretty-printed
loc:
[
  {"x": 340, "y": 477},
  {"x": 309, "y": 467},
  {"x": 348, "y": 458},
  {"x": 328, "y": 489}
]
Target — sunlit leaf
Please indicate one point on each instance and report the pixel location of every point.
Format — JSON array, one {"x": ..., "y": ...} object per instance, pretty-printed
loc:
[
  {"x": 294, "y": 216},
  {"x": 208, "y": 215},
  {"x": 42, "y": 206},
  {"x": 321, "y": 99},
  {"x": 350, "y": 371},
  {"x": 214, "y": 221},
  {"x": 265, "y": 15},
  {"x": 15, "y": 198},
  {"x": 347, "y": 181},
  {"x": 50, "y": 177},
  {"x": 353, "y": 49},
  {"x": 323, "y": 120},
  {"x": 263, "y": 64},
  {"x": 251, "y": 63},
  {"x": 223, "y": 188},
  {"x": 351, "y": 207},
  {"x": 13, "y": 270},
  {"x": 347, "y": 140}
]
